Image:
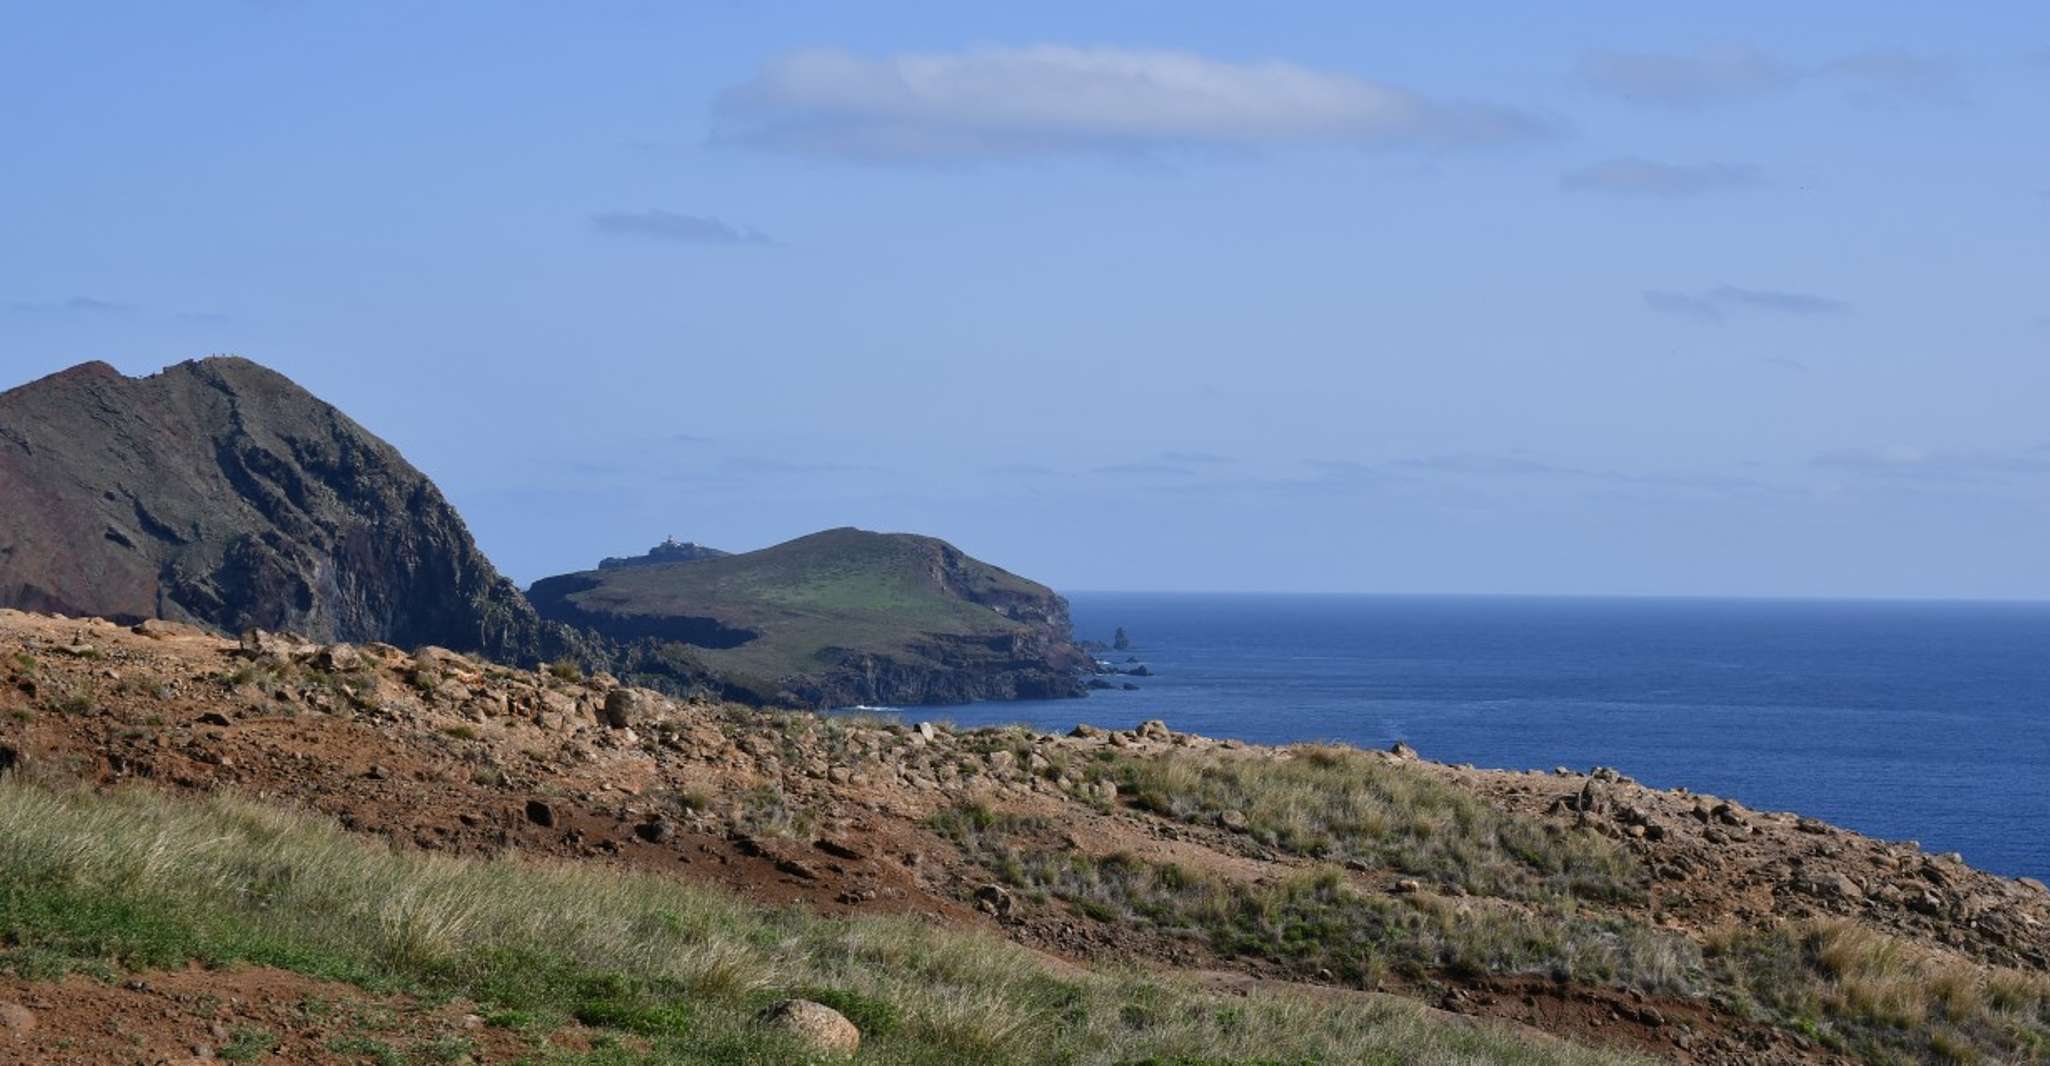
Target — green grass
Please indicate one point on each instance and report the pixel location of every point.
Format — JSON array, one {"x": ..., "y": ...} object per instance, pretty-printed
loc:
[
  {"x": 1317, "y": 921},
  {"x": 1335, "y": 803},
  {"x": 249, "y": 1044},
  {"x": 838, "y": 589},
  {"x": 664, "y": 972}
]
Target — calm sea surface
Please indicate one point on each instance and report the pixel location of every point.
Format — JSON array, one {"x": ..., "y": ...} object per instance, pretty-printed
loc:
[{"x": 1908, "y": 721}]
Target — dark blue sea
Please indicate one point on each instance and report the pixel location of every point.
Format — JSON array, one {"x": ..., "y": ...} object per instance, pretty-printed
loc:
[{"x": 1907, "y": 721}]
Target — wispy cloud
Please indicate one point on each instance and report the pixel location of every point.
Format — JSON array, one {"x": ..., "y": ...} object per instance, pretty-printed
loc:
[
  {"x": 1021, "y": 470},
  {"x": 1923, "y": 464},
  {"x": 1195, "y": 458},
  {"x": 75, "y": 305},
  {"x": 1682, "y": 305},
  {"x": 1886, "y": 79},
  {"x": 1514, "y": 465},
  {"x": 1777, "y": 301},
  {"x": 659, "y": 225},
  {"x": 773, "y": 467},
  {"x": 1737, "y": 73},
  {"x": 1050, "y": 100},
  {"x": 1631, "y": 176},
  {"x": 1484, "y": 463},
  {"x": 1176, "y": 470},
  {"x": 1715, "y": 305}
]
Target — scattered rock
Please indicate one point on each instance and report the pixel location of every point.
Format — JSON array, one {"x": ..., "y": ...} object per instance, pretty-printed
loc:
[
  {"x": 541, "y": 814},
  {"x": 338, "y": 658},
  {"x": 1407, "y": 887},
  {"x": 1402, "y": 751},
  {"x": 824, "y": 1029},
  {"x": 1154, "y": 729},
  {"x": 258, "y": 643},
  {"x": 929, "y": 731},
  {"x": 995, "y": 900},
  {"x": 2030, "y": 883},
  {"x": 1234, "y": 821},
  {"x": 655, "y": 830},
  {"x": 1084, "y": 731}
]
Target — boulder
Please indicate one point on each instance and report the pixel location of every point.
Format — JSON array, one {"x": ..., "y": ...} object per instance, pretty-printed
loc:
[
  {"x": 338, "y": 658},
  {"x": 823, "y": 1029},
  {"x": 1402, "y": 751},
  {"x": 258, "y": 644},
  {"x": 995, "y": 900},
  {"x": 1154, "y": 729},
  {"x": 626, "y": 706}
]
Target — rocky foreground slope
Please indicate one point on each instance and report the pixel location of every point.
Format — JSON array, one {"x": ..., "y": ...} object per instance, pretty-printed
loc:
[
  {"x": 219, "y": 492},
  {"x": 1584, "y": 905}
]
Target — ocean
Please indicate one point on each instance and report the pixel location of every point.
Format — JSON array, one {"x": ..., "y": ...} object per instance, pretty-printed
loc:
[{"x": 1923, "y": 721}]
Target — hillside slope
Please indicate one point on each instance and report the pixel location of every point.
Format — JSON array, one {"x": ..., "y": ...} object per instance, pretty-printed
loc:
[
  {"x": 836, "y": 618},
  {"x": 219, "y": 492},
  {"x": 1321, "y": 882}
]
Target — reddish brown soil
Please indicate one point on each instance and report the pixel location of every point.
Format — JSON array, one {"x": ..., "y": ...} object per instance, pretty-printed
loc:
[{"x": 193, "y": 1016}]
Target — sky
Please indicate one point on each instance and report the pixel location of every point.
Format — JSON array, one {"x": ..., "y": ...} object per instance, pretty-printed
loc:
[{"x": 1751, "y": 299}]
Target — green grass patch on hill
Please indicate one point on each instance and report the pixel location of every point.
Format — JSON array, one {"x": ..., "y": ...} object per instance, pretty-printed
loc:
[
  {"x": 1319, "y": 921},
  {"x": 665, "y": 972},
  {"x": 1335, "y": 803}
]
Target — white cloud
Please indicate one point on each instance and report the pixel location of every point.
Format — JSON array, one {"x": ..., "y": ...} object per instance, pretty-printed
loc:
[{"x": 994, "y": 103}]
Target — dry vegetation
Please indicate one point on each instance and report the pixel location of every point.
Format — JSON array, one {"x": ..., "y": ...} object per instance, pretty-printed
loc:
[
  {"x": 665, "y": 972},
  {"x": 1318, "y": 924},
  {"x": 1883, "y": 998},
  {"x": 1336, "y": 804}
]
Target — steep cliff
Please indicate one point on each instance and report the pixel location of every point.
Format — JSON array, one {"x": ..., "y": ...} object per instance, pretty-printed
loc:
[{"x": 219, "y": 492}]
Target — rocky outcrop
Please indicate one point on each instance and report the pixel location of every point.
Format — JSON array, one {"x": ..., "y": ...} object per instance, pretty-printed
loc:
[{"x": 220, "y": 493}]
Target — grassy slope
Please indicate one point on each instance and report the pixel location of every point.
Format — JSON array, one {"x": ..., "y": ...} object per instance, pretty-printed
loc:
[
  {"x": 838, "y": 588},
  {"x": 1850, "y": 987},
  {"x": 667, "y": 973}
]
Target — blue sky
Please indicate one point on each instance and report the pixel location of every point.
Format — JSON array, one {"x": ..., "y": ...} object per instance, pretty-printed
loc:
[{"x": 1647, "y": 300}]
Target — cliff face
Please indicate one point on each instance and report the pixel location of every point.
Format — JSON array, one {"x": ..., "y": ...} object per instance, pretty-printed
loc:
[
  {"x": 219, "y": 492},
  {"x": 837, "y": 618}
]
